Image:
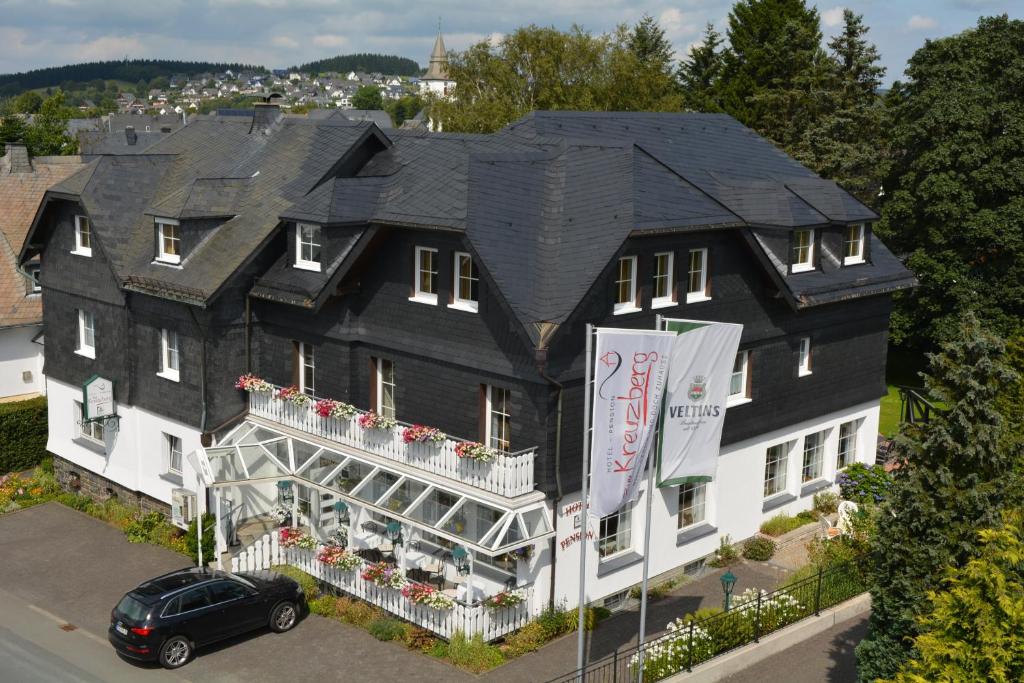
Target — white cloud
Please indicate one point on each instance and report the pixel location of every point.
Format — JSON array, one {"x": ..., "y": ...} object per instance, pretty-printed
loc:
[
  {"x": 832, "y": 17},
  {"x": 677, "y": 24},
  {"x": 285, "y": 42},
  {"x": 920, "y": 23},
  {"x": 330, "y": 40}
]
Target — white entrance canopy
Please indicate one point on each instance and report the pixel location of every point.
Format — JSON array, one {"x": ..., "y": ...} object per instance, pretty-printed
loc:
[{"x": 254, "y": 452}]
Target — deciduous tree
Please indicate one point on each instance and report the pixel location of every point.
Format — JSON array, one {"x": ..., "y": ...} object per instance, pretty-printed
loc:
[
  {"x": 367, "y": 97},
  {"x": 48, "y": 134}
]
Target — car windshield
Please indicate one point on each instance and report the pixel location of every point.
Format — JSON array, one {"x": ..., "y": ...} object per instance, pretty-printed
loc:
[{"x": 132, "y": 608}]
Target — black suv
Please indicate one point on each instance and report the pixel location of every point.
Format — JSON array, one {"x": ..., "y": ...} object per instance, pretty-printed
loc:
[{"x": 165, "y": 619}]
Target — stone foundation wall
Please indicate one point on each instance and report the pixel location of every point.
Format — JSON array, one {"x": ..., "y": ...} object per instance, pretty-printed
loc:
[{"x": 101, "y": 489}]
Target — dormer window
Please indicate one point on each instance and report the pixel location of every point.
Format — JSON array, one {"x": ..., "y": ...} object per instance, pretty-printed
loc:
[
  {"x": 83, "y": 237},
  {"x": 307, "y": 246},
  {"x": 853, "y": 245},
  {"x": 168, "y": 241},
  {"x": 33, "y": 272},
  {"x": 425, "y": 276},
  {"x": 464, "y": 293},
  {"x": 625, "y": 286},
  {"x": 803, "y": 251}
]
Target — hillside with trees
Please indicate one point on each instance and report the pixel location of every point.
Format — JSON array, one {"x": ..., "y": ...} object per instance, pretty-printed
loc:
[
  {"x": 131, "y": 71},
  {"x": 391, "y": 65}
]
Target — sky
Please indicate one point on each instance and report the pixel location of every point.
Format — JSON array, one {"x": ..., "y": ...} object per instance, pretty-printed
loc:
[{"x": 282, "y": 33}]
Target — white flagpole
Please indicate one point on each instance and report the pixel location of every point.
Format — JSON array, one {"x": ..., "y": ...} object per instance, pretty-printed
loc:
[
  {"x": 651, "y": 464},
  {"x": 583, "y": 499}
]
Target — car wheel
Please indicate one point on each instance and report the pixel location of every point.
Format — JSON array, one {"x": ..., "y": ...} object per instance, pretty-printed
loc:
[
  {"x": 175, "y": 652},
  {"x": 283, "y": 617}
]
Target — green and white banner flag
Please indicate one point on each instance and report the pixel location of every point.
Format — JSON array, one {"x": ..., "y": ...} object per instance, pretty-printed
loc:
[{"x": 700, "y": 372}]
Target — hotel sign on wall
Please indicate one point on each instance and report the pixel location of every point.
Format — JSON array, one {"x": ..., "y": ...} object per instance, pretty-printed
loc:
[{"x": 98, "y": 398}]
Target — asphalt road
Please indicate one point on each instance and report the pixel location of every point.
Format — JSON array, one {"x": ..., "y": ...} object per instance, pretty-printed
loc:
[{"x": 826, "y": 658}]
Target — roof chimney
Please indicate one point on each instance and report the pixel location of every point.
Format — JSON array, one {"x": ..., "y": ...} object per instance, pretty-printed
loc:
[
  {"x": 165, "y": 129},
  {"x": 17, "y": 158},
  {"x": 264, "y": 115},
  {"x": 130, "y": 136}
]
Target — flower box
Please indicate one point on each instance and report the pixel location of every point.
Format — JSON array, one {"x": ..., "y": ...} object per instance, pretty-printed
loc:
[
  {"x": 383, "y": 575},
  {"x": 503, "y": 599},
  {"x": 293, "y": 395},
  {"x": 471, "y": 450},
  {"x": 339, "y": 557},
  {"x": 422, "y": 594},
  {"x": 423, "y": 434},
  {"x": 290, "y": 537},
  {"x": 372, "y": 420},
  {"x": 252, "y": 383},
  {"x": 328, "y": 407}
]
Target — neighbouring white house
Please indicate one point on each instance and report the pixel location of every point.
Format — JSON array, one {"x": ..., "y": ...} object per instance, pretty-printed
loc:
[{"x": 23, "y": 181}]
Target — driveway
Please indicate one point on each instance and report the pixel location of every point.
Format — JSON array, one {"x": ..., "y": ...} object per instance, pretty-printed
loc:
[{"x": 63, "y": 571}]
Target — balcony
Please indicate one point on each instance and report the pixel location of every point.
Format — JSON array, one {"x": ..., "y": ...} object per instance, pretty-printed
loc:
[{"x": 508, "y": 474}]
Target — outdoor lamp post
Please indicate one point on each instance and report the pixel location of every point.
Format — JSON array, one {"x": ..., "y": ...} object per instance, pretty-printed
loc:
[
  {"x": 394, "y": 532},
  {"x": 461, "y": 557},
  {"x": 285, "y": 493},
  {"x": 728, "y": 583},
  {"x": 341, "y": 512}
]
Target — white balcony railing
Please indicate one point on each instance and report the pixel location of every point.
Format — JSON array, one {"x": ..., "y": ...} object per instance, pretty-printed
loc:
[
  {"x": 468, "y": 619},
  {"x": 508, "y": 474}
]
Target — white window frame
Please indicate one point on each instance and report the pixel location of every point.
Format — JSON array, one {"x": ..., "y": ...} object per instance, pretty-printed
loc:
[
  {"x": 420, "y": 295},
  {"x": 170, "y": 355},
  {"x": 806, "y": 264},
  {"x": 850, "y": 259},
  {"x": 458, "y": 302},
  {"x": 804, "y": 363},
  {"x": 307, "y": 361},
  {"x": 781, "y": 478},
  {"x": 169, "y": 453},
  {"x": 629, "y": 305},
  {"x": 669, "y": 298},
  {"x": 624, "y": 528},
  {"x": 83, "y": 247},
  {"x": 744, "y": 376},
  {"x": 814, "y": 446},
  {"x": 162, "y": 255},
  {"x": 381, "y": 409},
  {"x": 696, "y": 295},
  {"x": 700, "y": 493},
  {"x": 495, "y": 440},
  {"x": 34, "y": 271},
  {"x": 849, "y": 455},
  {"x": 89, "y": 431},
  {"x": 86, "y": 328},
  {"x": 314, "y": 241}
]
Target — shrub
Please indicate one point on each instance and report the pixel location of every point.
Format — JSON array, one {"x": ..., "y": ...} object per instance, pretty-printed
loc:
[
  {"x": 76, "y": 501},
  {"x": 417, "y": 638},
  {"x": 472, "y": 654},
  {"x": 308, "y": 584},
  {"x": 22, "y": 435},
  {"x": 191, "y": 544},
  {"x": 726, "y": 553},
  {"x": 386, "y": 628},
  {"x": 759, "y": 548},
  {"x": 782, "y": 524},
  {"x": 826, "y": 502},
  {"x": 323, "y": 605},
  {"x": 863, "y": 484},
  {"x": 356, "y": 612},
  {"x": 142, "y": 529},
  {"x": 572, "y": 619},
  {"x": 556, "y": 621},
  {"x": 527, "y": 639}
]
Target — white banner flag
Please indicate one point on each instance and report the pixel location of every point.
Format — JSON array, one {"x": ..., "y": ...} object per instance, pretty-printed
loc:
[
  {"x": 629, "y": 381},
  {"x": 698, "y": 386}
]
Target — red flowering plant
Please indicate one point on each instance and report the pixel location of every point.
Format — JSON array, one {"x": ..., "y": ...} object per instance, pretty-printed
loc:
[
  {"x": 423, "y": 434},
  {"x": 328, "y": 407},
  {"x": 336, "y": 556},
  {"x": 503, "y": 599},
  {"x": 372, "y": 420},
  {"x": 290, "y": 537},
  {"x": 383, "y": 575},
  {"x": 250, "y": 382},
  {"x": 471, "y": 450},
  {"x": 293, "y": 395},
  {"x": 422, "y": 594}
]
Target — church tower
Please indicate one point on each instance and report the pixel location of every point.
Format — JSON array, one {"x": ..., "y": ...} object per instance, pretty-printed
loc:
[{"x": 435, "y": 81}]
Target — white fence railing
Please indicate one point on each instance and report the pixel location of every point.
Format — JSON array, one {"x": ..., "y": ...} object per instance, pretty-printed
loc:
[
  {"x": 508, "y": 475},
  {"x": 469, "y": 619}
]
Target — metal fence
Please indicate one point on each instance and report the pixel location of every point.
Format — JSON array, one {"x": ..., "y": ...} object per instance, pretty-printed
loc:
[{"x": 691, "y": 642}]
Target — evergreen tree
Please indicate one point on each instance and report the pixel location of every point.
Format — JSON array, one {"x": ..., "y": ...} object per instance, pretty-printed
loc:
[
  {"x": 846, "y": 142},
  {"x": 953, "y": 195},
  {"x": 699, "y": 72},
  {"x": 957, "y": 472},
  {"x": 12, "y": 129},
  {"x": 774, "y": 68},
  {"x": 975, "y": 629},
  {"x": 647, "y": 42}
]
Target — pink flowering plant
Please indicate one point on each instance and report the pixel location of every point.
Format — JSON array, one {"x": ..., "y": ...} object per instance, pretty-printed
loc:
[
  {"x": 503, "y": 599},
  {"x": 471, "y": 450},
  {"x": 328, "y": 407},
  {"x": 336, "y": 556},
  {"x": 290, "y": 537},
  {"x": 423, "y": 434},
  {"x": 422, "y": 594},
  {"x": 293, "y": 395},
  {"x": 252, "y": 383},
  {"x": 383, "y": 575},
  {"x": 372, "y": 420}
]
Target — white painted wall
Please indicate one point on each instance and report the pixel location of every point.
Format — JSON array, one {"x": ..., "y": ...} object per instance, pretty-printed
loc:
[
  {"x": 18, "y": 354},
  {"x": 734, "y": 506},
  {"x": 133, "y": 455}
]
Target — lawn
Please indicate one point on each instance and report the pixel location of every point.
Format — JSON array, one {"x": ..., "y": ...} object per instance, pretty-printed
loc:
[{"x": 901, "y": 369}]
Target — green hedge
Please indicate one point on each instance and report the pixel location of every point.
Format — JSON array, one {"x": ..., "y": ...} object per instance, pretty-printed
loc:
[{"x": 22, "y": 434}]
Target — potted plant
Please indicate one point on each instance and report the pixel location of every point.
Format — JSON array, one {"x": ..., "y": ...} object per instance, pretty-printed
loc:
[
  {"x": 472, "y": 450},
  {"x": 503, "y": 599},
  {"x": 372, "y": 420},
  {"x": 252, "y": 383},
  {"x": 423, "y": 434},
  {"x": 328, "y": 407}
]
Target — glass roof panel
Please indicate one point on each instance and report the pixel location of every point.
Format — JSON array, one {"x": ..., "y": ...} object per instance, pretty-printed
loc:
[
  {"x": 350, "y": 476},
  {"x": 435, "y": 506},
  {"x": 535, "y": 522},
  {"x": 325, "y": 463},
  {"x": 303, "y": 452},
  {"x": 224, "y": 463},
  {"x": 408, "y": 491},
  {"x": 377, "y": 487},
  {"x": 260, "y": 464},
  {"x": 512, "y": 535},
  {"x": 473, "y": 520}
]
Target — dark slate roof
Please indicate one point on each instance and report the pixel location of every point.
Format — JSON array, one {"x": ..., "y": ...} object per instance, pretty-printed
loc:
[{"x": 104, "y": 142}]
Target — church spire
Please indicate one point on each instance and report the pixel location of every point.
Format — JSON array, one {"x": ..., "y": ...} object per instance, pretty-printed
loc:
[{"x": 437, "y": 70}]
